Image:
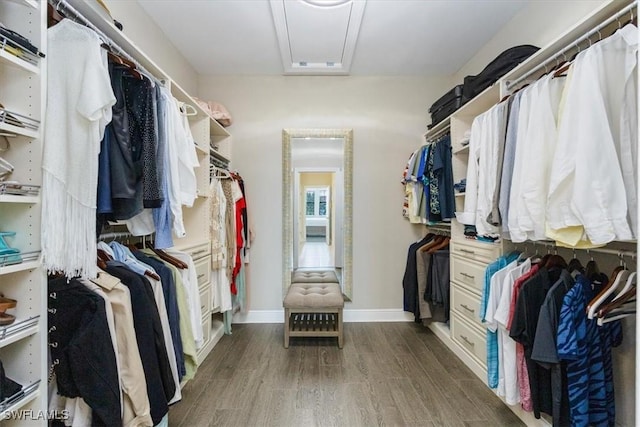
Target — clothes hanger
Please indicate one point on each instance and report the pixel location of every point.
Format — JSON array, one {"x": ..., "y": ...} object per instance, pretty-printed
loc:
[
  {"x": 607, "y": 290},
  {"x": 129, "y": 65},
  {"x": 626, "y": 297},
  {"x": 170, "y": 259},
  {"x": 629, "y": 284},
  {"x": 189, "y": 110},
  {"x": 440, "y": 246}
]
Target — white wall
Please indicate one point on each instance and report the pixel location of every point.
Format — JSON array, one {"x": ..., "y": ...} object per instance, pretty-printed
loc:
[
  {"x": 537, "y": 24},
  {"x": 150, "y": 38},
  {"x": 388, "y": 116}
]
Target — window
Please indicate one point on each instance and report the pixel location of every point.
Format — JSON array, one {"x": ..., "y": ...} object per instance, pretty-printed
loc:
[{"x": 316, "y": 201}]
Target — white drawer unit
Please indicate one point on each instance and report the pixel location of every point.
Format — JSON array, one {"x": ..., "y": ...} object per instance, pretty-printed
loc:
[
  {"x": 199, "y": 251},
  {"x": 206, "y": 338},
  {"x": 477, "y": 251},
  {"x": 468, "y": 273},
  {"x": 466, "y": 304},
  {"x": 203, "y": 270},
  {"x": 471, "y": 340},
  {"x": 205, "y": 301}
]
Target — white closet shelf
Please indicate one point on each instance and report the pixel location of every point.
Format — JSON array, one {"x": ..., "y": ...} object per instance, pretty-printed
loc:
[
  {"x": 216, "y": 129},
  {"x": 201, "y": 149},
  {"x": 219, "y": 156},
  {"x": 17, "y": 130},
  {"x": 10, "y": 198},
  {"x": 463, "y": 149},
  {"x": 23, "y": 266},
  {"x": 30, "y": 3},
  {"x": 31, "y": 392},
  {"x": 18, "y": 330},
  {"x": 9, "y": 59},
  {"x": 438, "y": 128}
]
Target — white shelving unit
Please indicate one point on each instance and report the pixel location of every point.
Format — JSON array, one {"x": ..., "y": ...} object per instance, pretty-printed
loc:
[
  {"x": 465, "y": 335},
  {"x": 23, "y": 344}
]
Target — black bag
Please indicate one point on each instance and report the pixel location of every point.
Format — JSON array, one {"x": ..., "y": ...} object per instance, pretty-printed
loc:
[
  {"x": 497, "y": 68},
  {"x": 445, "y": 105},
  {"x": 8, "y": 387}
]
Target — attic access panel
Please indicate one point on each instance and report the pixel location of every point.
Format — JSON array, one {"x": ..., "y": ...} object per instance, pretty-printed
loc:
[{"x": 317, "y": 36}]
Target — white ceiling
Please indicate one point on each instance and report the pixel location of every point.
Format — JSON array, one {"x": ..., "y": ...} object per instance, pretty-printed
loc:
[{"x": 397, "y": 37}]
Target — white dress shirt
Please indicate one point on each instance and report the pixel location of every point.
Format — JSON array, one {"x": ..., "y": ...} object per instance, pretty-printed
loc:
[{"x": 593, "y": 179}]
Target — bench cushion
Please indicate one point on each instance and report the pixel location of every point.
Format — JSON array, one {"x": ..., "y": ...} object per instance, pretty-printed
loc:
[
  {"x": 312, "y": 295},
  {"x": 315, "y": 276}
]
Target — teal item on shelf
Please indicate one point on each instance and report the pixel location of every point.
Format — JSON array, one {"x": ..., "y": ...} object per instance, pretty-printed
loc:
[{"x": 8, "y": 255}]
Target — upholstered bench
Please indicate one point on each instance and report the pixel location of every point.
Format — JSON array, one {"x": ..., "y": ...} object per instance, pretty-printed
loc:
[
  {"x": 313, "y": 310},
  {"x": 314, "y": 276}
]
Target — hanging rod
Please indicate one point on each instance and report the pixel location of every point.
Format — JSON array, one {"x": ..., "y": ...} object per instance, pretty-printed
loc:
[
  {"x": 117, "y": 235},
  {"x": 570, "y": 46},
  {"x": 70, "y": 10},
  {"x": 436, "y": 136},
  {"x": 616, "y": 252}
]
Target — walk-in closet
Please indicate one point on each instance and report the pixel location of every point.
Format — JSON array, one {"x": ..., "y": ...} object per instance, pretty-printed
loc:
[{"x": 318, "y": 212}]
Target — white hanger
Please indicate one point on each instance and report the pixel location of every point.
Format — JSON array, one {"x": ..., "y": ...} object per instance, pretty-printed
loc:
[
  {"x": 631, "y": 281},
  {"x": 595, "y": 305},
  {"x": 189, "y": 110}
]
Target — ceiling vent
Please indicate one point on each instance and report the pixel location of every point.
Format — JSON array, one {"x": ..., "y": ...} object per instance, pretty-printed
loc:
[{"x": 317, "y": 37}]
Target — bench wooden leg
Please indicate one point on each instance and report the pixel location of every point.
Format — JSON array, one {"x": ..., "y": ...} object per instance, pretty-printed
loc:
[
  {"x": 340, "y": 329},
  {"x": 287, "y": 316}
]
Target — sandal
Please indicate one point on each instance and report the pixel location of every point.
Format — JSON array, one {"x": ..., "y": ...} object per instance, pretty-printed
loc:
[
  {"x": 6, "y": 319},
  {"x": 5, "y": 304}
]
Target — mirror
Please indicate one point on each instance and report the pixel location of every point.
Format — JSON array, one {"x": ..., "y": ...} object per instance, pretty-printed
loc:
[{"x": 316, "y": 203}]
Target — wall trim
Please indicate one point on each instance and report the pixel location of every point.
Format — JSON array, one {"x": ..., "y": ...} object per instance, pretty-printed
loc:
[{"x": 350, "y": 316}]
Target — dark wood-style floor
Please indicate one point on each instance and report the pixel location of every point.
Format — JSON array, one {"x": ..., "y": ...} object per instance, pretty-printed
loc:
[{"x": 396, "y": 374}]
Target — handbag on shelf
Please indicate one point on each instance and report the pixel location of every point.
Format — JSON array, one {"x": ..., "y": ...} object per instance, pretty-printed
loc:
[{"x": 8, "y": 387}]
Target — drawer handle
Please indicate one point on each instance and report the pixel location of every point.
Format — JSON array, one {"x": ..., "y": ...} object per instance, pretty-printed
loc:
[
  {"x": 201, "y": 251},
  {"x": 466, "y": 307},
  {"x": 467, "y": 251},
  {"x": 468, "y": 276},
  {"x": 465, "y": 339},
  {"x": 202, "y": 308},
  {"x": 200, "y": 276}
]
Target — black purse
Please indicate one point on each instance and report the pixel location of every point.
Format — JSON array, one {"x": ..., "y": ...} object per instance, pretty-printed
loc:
[{"x": 8, "y": 387}]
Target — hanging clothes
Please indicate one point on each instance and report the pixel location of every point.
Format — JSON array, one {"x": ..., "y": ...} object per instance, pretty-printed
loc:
[
  {"x": 155, "y": 361},
  {"x": 78, "y": 108},
  {"x": 83, "y": 366}
]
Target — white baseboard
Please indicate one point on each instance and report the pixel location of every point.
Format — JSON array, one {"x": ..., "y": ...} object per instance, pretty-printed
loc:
[{"x": 350, "y": 316}]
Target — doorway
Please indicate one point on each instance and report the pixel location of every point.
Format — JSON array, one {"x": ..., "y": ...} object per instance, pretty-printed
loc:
[{"x": 317, "y": 217}]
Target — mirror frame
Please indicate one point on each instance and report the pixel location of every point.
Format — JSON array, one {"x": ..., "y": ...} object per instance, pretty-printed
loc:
[{"x": 287, "y": 203}]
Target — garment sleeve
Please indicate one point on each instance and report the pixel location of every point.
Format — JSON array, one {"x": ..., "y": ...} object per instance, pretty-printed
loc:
[
  {"x": 518, "y": 328},
  {"x": 468, "y": 216},
  {"x": 96, "y": 94},
  {"x": 544, "y": 345}
]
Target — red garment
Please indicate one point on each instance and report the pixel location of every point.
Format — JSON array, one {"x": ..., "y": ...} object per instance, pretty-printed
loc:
[
  {"x": 523, "y": 374},
  {"x": 240, "y": 205}
]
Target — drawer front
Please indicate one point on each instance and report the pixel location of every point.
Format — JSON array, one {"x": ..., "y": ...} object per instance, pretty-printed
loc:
[
  {"x": 468, "y": 273},
  {"x": 203, "y": 270},
  {"x": 199, "y": 251},
  {"x": 467, "y": 305},
  {"x": 469, "y": 339},
  {"x": 206, "y": 337},
  {"x": 483, "y": 252},
  {"x": 205, "y": 301}
]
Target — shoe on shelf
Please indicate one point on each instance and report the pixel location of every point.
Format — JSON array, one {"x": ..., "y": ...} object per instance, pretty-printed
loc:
[
  {"x": 5, "y": 304},
  {"x": 8, "y": 255}
]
